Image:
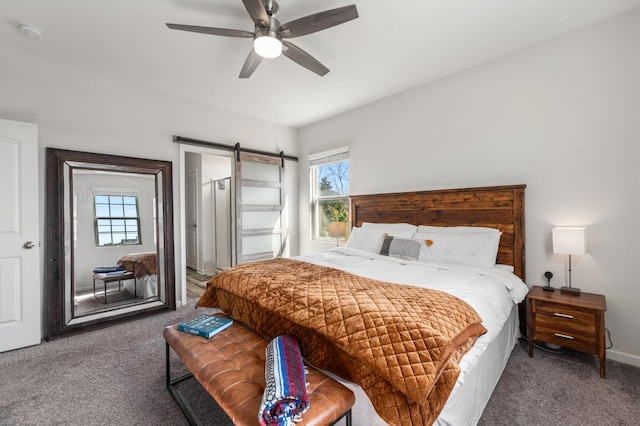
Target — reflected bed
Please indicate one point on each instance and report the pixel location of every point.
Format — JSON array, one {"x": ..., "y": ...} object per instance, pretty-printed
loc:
[{"x": 143, "y": 266}]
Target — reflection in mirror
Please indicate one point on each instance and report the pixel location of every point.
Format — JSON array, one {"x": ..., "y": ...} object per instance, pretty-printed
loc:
[
  {"x": 109, "y": 234},
  {"x": 114, "y": 226}
]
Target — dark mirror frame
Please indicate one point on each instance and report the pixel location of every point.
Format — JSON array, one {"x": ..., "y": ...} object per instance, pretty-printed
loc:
[{"x": 55, "y": 234}]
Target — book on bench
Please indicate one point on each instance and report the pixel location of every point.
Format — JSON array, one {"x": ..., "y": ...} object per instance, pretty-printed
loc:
[{"x": 205, "y": 325}]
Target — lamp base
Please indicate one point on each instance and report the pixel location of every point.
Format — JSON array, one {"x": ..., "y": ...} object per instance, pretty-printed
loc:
[
  {"x": 548, "y": 288},
  {"x": 570, "y": 290}
]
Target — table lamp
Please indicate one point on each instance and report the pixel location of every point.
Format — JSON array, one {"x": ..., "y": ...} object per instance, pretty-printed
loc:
[
  {"x": 571, "y": 241},
  {"x": 337, "y": 230}
]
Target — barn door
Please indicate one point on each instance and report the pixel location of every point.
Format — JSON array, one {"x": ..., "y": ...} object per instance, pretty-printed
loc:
[{"x": 259, "y": 188}]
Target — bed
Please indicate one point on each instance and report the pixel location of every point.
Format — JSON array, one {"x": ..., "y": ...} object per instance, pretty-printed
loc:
[
  {"x": 143, "y": 266},
  {"x": 362, "y": 316}
]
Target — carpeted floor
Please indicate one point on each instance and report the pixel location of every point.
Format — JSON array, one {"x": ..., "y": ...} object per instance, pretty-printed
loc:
[
  {"x": 563, "y": 389},
  {"x": 112, "y": 376},
  {"x": 116, "y": 376},
  {"x": 89, "y": 304}
]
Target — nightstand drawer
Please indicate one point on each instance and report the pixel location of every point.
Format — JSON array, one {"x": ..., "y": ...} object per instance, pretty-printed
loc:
[
  {"x": 579, "y": 342},
  {"x": 563, "y": 317}
]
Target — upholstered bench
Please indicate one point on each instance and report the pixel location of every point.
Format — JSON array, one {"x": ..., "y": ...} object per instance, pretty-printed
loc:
[
  {"x": 230, "y": 366},
  {"x": 110, "y": 277}
]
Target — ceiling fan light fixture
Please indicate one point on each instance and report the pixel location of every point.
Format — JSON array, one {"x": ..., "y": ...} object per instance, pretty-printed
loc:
[{"x": 267, "y": 46}]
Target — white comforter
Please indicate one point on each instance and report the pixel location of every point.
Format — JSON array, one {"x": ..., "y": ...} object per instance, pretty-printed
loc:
[{"x": 492, "y": 292}]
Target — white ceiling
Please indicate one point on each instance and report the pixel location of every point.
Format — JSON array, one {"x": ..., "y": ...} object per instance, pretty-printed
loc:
[{"x": 391, "y": 47}]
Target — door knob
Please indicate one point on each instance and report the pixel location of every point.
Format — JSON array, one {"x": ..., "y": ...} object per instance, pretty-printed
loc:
[{"x": 29, "y": 245}]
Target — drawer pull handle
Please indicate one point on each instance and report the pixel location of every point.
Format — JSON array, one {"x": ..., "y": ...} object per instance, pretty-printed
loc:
[
  {"x": 563, "y": 315},
  {"x": 564, "y": 336}
]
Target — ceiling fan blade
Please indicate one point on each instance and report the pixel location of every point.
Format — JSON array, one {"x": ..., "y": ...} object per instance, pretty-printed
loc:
[
  {"x": 301, "y": 57},
  {"x": 318, "y": 21},
  {"x": 257, "y": 12},
  {"x": 250, "y": 65},
  {"x": 210, "y": 30}
]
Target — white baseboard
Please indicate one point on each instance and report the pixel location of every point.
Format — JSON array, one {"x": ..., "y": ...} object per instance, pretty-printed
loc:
[
  {"x": 210, "y": 267},
  {"x": 624, "y": 357}
]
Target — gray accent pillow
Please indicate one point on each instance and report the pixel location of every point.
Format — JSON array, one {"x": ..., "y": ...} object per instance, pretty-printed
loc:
[{"x": 401, "y": 248}]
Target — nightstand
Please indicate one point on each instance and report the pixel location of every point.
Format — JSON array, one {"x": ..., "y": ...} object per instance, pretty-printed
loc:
[{"x": 572, "y": 321}]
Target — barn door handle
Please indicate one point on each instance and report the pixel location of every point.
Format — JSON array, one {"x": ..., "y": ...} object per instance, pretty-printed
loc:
[{"x": 29, "y": 245}]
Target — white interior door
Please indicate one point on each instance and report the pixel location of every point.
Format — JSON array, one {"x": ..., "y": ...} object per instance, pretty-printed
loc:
[
  {"x": 191, "y": 218},
  {"x": 260, "y": 232},
  {"x": 20, "y": 304}
]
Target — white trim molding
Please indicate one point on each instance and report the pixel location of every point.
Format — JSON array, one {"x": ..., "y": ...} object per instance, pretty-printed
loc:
[{"x": 624, "y": 357}]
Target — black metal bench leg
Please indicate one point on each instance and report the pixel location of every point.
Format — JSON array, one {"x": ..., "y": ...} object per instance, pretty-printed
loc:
[
  {"x": 167, "y": 365},
  {"x": 347, "y": 418},
  {"x": 170, "y": 387}
]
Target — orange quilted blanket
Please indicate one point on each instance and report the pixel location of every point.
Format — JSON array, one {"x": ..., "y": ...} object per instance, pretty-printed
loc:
[
  {"x": 140, "y": 264},
  {"x": 401, "y": 344}
]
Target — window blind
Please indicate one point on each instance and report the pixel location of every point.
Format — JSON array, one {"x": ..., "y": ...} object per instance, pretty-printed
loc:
[{"x": 327, "y": 157}]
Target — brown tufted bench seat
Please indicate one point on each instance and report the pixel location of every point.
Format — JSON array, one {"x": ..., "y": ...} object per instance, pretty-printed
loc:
[{"x": 230, "y": 366}]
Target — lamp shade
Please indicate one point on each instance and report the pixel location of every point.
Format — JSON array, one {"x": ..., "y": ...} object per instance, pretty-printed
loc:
[
  {"x": 569, "y": 240},
  {"x": 337, "y": 229}
]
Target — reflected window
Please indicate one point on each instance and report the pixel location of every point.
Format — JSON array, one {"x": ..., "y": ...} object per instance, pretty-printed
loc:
[{"x": 117, "y": 220}]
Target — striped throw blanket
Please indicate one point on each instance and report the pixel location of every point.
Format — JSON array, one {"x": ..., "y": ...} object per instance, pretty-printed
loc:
[{"x": 285, "y": 396}]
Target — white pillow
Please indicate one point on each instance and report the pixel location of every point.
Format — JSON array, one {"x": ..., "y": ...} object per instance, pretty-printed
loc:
[
  {"x": 469, "y": 249},
  {"x": 365, "y": 239},
  {"x": 426, "y": 254},
  {"x": 457, "y": 229},
  {"x": 400, "y": 230},
  {"x": 508, "y": 268}
]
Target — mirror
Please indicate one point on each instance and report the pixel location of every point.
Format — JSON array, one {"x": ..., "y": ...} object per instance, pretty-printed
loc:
[{"x": 109, "y": 236}]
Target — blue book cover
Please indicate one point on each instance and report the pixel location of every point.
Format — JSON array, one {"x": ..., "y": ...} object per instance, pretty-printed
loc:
[{"x": 205, "y": 325}]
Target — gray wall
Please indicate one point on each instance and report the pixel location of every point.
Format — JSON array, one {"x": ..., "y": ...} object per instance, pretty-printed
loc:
[
  {"x": 561, "y": 117},
  {"x": 83, "y": 112}
]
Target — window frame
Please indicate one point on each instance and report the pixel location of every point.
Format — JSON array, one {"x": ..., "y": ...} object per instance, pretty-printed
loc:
[
  {"x": 110, "y": 218},
  {"x": 316, "y": 161}
]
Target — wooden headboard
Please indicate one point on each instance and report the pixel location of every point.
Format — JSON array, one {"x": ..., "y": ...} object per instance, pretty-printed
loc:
[{"x": 500, "y": 207}]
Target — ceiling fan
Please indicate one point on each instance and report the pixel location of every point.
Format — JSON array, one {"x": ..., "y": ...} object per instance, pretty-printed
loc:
[{"x": 268, "y": 34}]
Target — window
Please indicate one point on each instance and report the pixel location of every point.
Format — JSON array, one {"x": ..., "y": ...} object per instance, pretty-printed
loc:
[
  {"x": 329, "y": 190},
  {"x": 117, "y": 220}
]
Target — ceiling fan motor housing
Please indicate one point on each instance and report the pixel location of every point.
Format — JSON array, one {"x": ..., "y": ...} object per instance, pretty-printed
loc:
[
  {"x": 270, "y": 43},
  {"x": 271, "y": 6}
]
